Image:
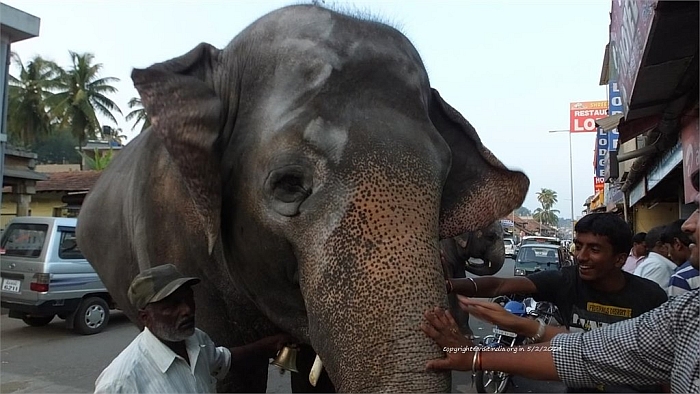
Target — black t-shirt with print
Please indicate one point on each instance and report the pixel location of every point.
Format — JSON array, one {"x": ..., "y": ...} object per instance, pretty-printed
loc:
[{"x": 585, "y": 308}]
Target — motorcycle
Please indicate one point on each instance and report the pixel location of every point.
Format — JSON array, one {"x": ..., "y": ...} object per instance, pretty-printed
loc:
[{"x": 545, "y": 312}]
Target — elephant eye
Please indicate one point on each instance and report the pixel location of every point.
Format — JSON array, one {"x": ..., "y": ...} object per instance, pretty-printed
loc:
[{"x": 290, "y": 187}]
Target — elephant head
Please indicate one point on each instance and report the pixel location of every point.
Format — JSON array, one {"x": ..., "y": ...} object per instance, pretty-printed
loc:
[
  {"x": 321, "y": 165},
  {"x": 485, "y": 244}
]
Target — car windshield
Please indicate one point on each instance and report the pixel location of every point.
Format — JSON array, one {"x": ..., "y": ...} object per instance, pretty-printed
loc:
[
  {"x": 538, "y": 255},
  {"x": 23, "y": 240}
]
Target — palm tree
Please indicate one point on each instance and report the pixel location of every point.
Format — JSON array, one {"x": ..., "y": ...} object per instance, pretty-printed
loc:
[
  {"x": 138, "y": 113},
  {"x": 547, "y": 197},
  {"x": 29, "y": 117},
  {"x": 82, "y": 95},
  {"x": 546, "y": 215}
]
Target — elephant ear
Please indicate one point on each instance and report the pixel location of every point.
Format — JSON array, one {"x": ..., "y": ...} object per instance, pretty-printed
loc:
[
  {"x": 186, "y": 114},
  {"x": 479, "y": 189}
]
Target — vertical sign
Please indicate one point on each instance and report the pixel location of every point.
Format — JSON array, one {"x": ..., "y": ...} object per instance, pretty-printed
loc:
[
  {"x": 614, "y": 108},
  {"x": 584, "y": 114},
  {"x": 601, "y": 148}
]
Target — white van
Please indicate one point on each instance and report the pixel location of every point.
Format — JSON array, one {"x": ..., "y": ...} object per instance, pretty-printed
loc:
[
  {"x": 509, "y": 247},
  {"x": 44, "y": 274}
]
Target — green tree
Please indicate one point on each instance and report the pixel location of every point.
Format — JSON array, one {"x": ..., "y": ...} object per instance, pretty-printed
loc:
[
  {"x": 82, "y": 94},
  {"x": 138, "y": 113},
  {"x": 545, "y": 214},
  {"x": 29, "y": 118},
  {"x": 549, "y": 217},
  {"x": 100, "y": 161},
  {"x": 547, "y": 197},
  {"x": 57, "y": 148},
  {"x": 522, "y": 211}
]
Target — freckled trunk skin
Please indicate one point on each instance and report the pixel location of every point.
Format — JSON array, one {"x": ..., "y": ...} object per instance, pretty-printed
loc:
[{"x": 375, "y": 274}]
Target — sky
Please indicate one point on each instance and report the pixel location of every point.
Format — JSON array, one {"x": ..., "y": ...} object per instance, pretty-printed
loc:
[{"x": 510, "y": 67}]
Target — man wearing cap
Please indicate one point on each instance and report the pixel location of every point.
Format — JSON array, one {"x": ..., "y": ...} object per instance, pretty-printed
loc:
[{"x": 170, "y": 355}]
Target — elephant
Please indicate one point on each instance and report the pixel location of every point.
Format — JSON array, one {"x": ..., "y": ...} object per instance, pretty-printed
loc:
[
  {"x": 485, "y": 244},
  {"x": 306, "y": 173}
]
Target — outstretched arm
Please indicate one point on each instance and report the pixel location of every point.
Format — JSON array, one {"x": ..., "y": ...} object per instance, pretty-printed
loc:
[
  {"x": 491, "y": 287},
  {"x": 495, "y": 314}
]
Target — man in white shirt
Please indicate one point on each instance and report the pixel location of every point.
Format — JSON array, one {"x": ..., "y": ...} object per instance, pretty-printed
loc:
[
  {"x": 170, "y": 355},
  {"x": 656, "y": 267}
]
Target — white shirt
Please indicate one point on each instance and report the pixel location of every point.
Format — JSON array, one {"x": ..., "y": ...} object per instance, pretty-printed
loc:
[
  {"x": 657, "y": 268},
  {"x": 147, "y": 365}
]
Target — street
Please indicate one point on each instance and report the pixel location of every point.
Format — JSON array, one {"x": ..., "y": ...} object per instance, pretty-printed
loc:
[{"x": 56, "y": 360}]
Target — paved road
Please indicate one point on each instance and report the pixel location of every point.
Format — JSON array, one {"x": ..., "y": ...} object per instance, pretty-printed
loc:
[{"x": 52, "y": 359}]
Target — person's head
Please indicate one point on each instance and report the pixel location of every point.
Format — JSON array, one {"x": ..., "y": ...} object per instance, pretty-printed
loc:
[
  {"x": 677, "y": 242},
  {"x": 165, "y": 302},
  {"x": 639, "y": 245},
  {"x": 603, "y": 242},
  {"x": 654, "y": 241},
  {"x": 692, "y": 224}
]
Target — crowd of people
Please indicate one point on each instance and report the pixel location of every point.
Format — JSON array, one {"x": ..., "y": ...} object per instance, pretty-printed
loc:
[
  {"x": 621, "y": 333},
  {"x": 663, "y": 255}
]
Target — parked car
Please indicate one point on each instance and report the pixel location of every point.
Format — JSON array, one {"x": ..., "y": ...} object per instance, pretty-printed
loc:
[
  {"x": 44, "y": 274},
  {"x": 539, "y": 257},
  {"x": 509, "y": 247}
]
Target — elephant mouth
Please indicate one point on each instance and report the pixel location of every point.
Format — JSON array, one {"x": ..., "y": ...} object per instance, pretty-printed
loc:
[{"x": 474, "y": 262}]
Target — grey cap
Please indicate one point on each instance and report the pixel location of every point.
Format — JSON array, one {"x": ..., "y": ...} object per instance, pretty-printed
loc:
[{"x": 154, "y": 284}]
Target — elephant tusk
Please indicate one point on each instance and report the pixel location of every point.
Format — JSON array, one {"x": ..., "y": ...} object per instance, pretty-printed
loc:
[{"x": 315, "y": 371}]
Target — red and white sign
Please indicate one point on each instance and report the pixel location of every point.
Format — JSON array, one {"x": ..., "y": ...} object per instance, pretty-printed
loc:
[
  {"x": 691, "y": 157},
  {"x": 585, "y": 113}
]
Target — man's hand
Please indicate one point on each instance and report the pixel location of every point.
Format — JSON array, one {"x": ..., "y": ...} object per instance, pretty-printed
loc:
[
  {"x": 489, "y": 312},
  {"x": 272, "y": 344},
  {"x": 443, "y": 329}
]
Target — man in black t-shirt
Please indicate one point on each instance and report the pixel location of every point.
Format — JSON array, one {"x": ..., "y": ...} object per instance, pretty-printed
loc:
[{"x": 589, "y": 295}]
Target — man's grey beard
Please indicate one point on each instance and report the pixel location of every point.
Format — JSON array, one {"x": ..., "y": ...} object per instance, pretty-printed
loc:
[{"x": 170, "y": 333}]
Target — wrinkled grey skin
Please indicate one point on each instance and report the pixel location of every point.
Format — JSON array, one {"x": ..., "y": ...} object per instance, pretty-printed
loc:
[
  {"x": 306, "y": 173},
  {"x": 485, "y": 244}
]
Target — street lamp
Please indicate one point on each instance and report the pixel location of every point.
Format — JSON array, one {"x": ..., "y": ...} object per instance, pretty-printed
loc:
[{"x": 571, "y": 177}]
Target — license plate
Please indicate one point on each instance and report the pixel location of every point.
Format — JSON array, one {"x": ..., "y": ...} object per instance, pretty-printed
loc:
[
  {"x": 10, "y": 285},
  {"x": 503, "y": 332}
]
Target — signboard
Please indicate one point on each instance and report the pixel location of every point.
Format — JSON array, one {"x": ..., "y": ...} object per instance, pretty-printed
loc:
[
  {"x": 506, "y": 223},
  {"x": 630, "y": 22},
  {"x": 691, "y": 157},
  {"x": 614, "y": 108},
  {"x": 584, "y": 114}
]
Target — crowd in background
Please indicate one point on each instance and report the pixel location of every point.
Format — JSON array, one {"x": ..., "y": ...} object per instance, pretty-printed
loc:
[{"x": 663, "y": 256}]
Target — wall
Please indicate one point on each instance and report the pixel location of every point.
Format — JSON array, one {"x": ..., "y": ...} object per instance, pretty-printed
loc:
[
  {"x": 42, "y": 205},
  {"x": 662, "y": 213}
]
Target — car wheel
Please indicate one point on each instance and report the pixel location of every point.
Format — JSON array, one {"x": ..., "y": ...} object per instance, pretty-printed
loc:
[
  {"x": 37, "y": 321},
  {"x": 92, "y": 316}
]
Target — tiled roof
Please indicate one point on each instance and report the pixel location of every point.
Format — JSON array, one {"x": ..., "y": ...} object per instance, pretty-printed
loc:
[{"x": 71, "y": 181}]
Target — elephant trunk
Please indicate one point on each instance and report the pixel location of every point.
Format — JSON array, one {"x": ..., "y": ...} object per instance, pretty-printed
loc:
[{"x": 367, "y": 287}]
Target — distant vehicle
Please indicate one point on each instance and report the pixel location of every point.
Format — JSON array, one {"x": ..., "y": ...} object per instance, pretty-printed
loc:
[
  {"x": 539, "y": 257},
  {"x": 44, "y": 274},
  {"x": 509, "y": 247}
]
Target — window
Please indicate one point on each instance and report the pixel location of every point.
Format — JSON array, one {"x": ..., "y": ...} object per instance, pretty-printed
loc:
[
  {"x": 68, "y": 248},
  {"x": 23, "y": 240}
]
